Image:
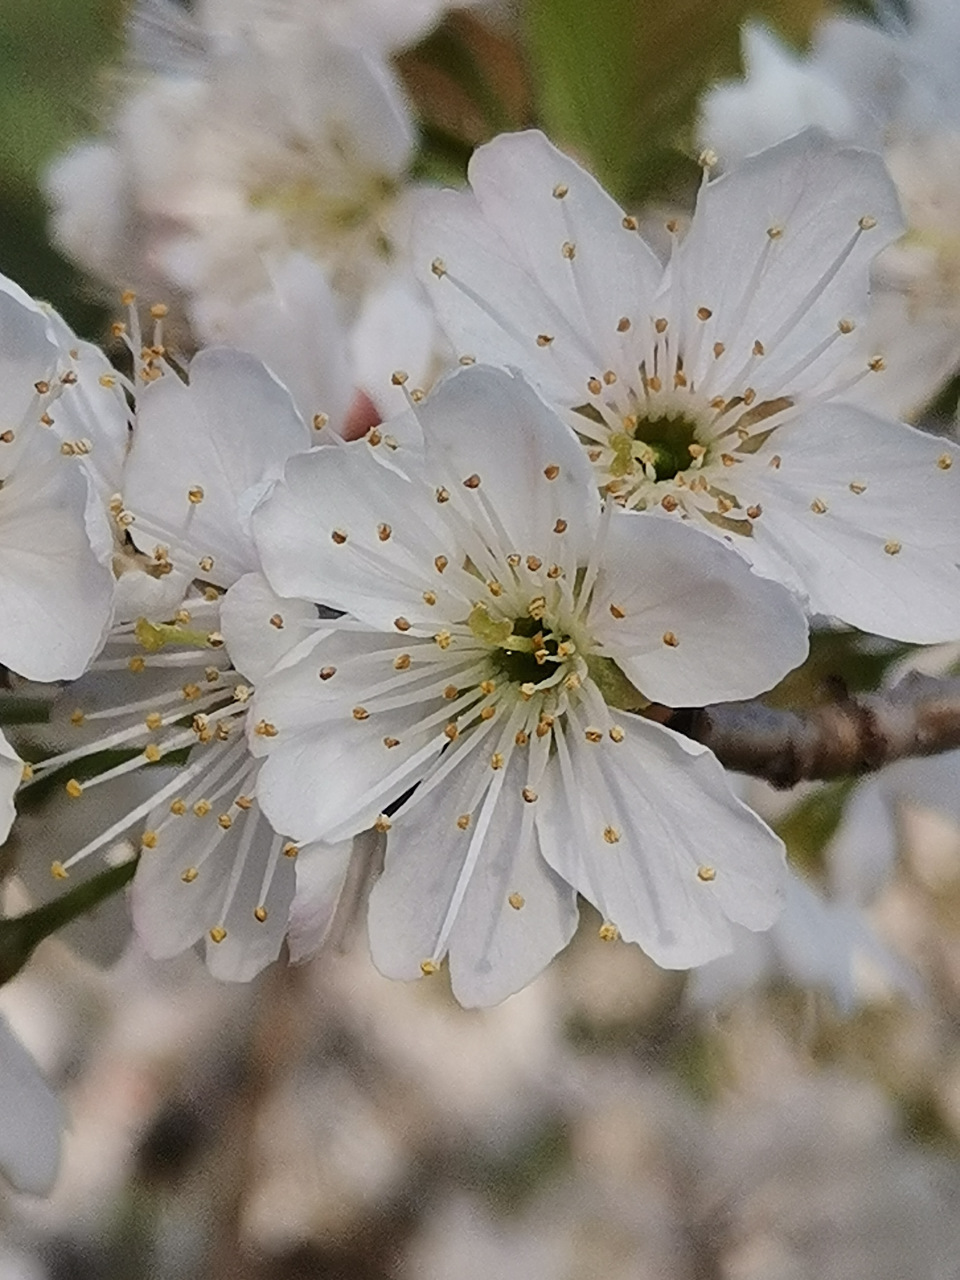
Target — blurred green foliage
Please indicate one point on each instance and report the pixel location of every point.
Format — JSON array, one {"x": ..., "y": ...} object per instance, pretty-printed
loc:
[
  {"x": 617, "y": 81},
  {"x": 50, "y": 53}
]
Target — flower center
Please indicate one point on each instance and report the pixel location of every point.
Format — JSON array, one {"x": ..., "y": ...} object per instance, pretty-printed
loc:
[{"x": 660, "y": 442}]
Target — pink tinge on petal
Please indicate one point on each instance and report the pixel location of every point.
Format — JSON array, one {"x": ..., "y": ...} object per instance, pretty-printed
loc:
[{"x": 361, "y": 416}]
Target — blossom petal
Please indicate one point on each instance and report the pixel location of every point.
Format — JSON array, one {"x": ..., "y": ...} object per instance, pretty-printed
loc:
[
  {"x": 11, "y": 775},
  {"x": 866, "y": 513},
  {"x": 197, "y": 449},
  {"x": 260, "y": 628},
  {"x": 515, "y": 913},
  {"x": 31, "y": 1119},
  {"x": 322, "y": 873},
  {"x": 536, "y": 269},
  {"x": 334, "y": 759},
  {"x": 295, "y": 329},
  {"x": 491, "y": 440},
  {"x": 649, "y": 831},
  {"x": 55, "y": 596},
  {"x": 679, "y": 614},
  {"x": 776, "y": 254}
]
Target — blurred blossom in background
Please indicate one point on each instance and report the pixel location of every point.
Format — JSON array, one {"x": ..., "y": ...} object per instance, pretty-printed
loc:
[{"x": 252, "y": 171}]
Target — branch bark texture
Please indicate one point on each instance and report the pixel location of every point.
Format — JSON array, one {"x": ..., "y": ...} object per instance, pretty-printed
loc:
[{"x": 855, "y": 735}]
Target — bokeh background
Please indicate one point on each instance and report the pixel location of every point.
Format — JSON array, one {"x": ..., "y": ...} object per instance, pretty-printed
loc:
[{"x": 610, "y": 1121}]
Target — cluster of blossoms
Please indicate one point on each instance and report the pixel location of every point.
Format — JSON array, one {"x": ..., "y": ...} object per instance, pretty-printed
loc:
[{"x": 298, "y": 599}]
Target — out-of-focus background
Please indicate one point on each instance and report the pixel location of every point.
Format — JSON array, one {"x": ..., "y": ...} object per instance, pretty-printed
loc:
[{"x": 610, "y": 1121}]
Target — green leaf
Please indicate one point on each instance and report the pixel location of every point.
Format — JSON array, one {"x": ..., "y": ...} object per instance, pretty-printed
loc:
[
  {"x": 20, "y": 935},
  {"x": 618, "y": 81}
]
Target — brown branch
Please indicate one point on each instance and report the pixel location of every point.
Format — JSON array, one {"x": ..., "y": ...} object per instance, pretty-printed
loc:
[{"x": 919, "y": 717}]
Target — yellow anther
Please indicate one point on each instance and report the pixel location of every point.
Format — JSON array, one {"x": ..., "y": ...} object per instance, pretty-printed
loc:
[
  {"x": 225, "y": 821},
  {"x": 276, "y": 620},
  {"x": 202, "y": 808},
  {"x": 544, "y": 339},
  {"x": 443, "y": 495},
  {"x": 58, "y": 871},
  {"x": 260, "y": 914},
  {"x": 856, "y": 486},
  {"x": 152, "y": 752},
  {"x": 704, "y": 313},
  {"x": 149, "y": 840},
  {"x": 706, "y": 874},
  {"x": 463, "y": 821},
  {"x": 195, "y": 495},
  {"x": 569, "y": 250},
  {"x": 290, "y": 850},
  {"x": 521, "y": 738},
  {"x": 401, "y": 624},
  {"x": 611, "y": 835},
  {"x": 560, "y": 190},
  {"x": 629, "y": 223},
  {"x": 670, "y": 639},
  {"x": 428, "y": 967},
  {"x": 74, "y": 789},
  {"x": 496, "y": 760},
  {"x": 617, "y": 612},
  {"x": 560, "y": 526},
  {"x": 529, "y": 795},
  {"x": 189, "y": 875},
  {"x": 893, "y": 548},
  {"x": 442, "y": 639},
  {"x": 339, "y": 537},
  {"x": 178, "y": 808},
  {"x": 440, "y": 563},
  {"x": 391, "y": 742},
  {"x": 551, "y": 471},
  {"x": 472, "y": 482},
  {"x": 429, "y": 598},
  {"x": 451, "y": 731},
  {"x": 867, "y": 222},
  {"x": 361, "y": 713},
  {"x": 608, "y": 932},
  {"x": 438, "y": 267},
  {"x": 382, "y": 823},
  {"x": 159, "y": 310},
  {"x": 516, "y": 901},
  {"x": 945, "y": 462},
  {"x": 399, "y": 377},
  {"x": 320, "y": 420},
  {"x": 818, "y": 507},
  {"x": 401, "y": 662},
  {"x": 217, "y": 933},
  {"x": 136, "y": 665}
]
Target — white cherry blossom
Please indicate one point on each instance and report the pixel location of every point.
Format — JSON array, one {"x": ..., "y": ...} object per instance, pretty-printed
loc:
[
  {"x": 173, "y": 688},
  {"x": 715, "y": 389},
  {"x": 54, "y": 594},
  {"x": 892, "y": 88},
  {"x": 498, "y": 619}
]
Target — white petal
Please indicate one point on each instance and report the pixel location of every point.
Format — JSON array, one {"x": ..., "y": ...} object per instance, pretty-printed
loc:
[
  {"x": 670, "y": 820},
  {"x": 495, "y": 949},
  {"x": 328, "y": 772},
  {"x": 320, "y": 534},
  {"x": 28, "y": 354},
  {"x": 790, "y": 290},
  {"x": 488, "y": 424},
  {"x": 170, "y": 914},
  {"x": 394, "y": 331},
  {"x": 322, "y": 871},
  {"x": 296, "y": 330},
  {"x": 698, "y": 626},
  {"x": 31, "y": 1119},
  {"x": 11, "y": 775},
  {"x": 882, "y": 556},
  {"x": 260, "y": 628},
  {"x": 504, "y": 278},
  {"x": 55, "y": 596},
  {"x": 231, "y": 428},
  {"x": 863, "y": 850}
]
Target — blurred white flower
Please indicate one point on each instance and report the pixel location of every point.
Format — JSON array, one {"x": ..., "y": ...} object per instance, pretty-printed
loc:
[
  {"x": 715, "y": 389},
  {"x": 498, "y": 621},
  {"x": 274, "y": 139},
  {"x": 31, "y": 1119},
  {"x": 892, "y": 89}
]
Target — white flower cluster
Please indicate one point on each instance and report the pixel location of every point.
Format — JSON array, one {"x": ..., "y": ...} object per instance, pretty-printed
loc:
[{"x": 299, "y": 600}]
